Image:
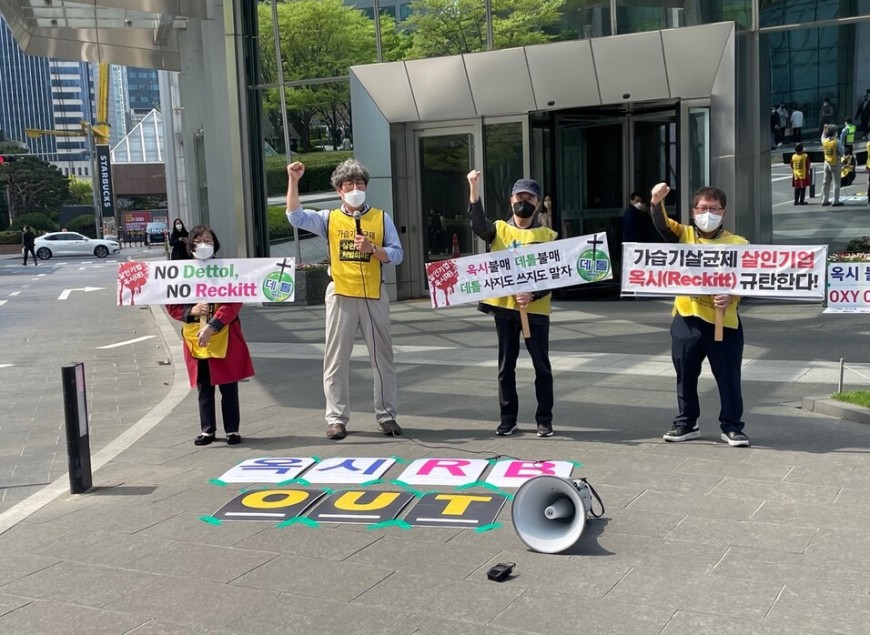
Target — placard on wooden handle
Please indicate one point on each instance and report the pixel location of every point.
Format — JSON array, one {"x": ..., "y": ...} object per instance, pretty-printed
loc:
[
  {"x": 718, "y": 332},
  {"x": 524, "y": 321}
]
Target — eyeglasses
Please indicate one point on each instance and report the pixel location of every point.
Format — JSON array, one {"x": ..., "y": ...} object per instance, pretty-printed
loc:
[
  {"x": 704, "y": 210},
  {"x": 359, "y": 184}
]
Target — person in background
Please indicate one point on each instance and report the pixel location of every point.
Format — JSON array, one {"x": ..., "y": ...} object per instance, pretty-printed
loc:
[
  {"x": 847, "y": 171},
  {"x": 782, "y": 111},
  {"x": 637, "y": 225},
  {"x": 545, "y": 214},
  {"x": 868, "y": 173},
  {"x": 833, "y": 151},
  {"x": 847, "y": 134},
  {"x": 862, "y": 115},
  {"x": 27, "y": 243},
  {"x": 826, "y": 114},
  {"x": 361, "y": 240},
  {"x": 797, "y": 124},
  {"x": 521, "y": 229},
  {"x": 214, "y": 348},
  {"x": 178, "y": 241},
  {"x": 693, "y": 327},
  {"x": 800, "y": 174}
]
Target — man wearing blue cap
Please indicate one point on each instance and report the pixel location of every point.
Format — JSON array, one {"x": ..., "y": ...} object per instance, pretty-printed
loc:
[{"x": 522, "y": 229}]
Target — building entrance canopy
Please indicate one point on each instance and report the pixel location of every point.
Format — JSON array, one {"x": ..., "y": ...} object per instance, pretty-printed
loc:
[{"x": 104, "y": 30}]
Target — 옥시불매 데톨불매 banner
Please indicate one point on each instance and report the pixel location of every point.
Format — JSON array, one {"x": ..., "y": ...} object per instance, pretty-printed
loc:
[
  {"x": 243, "y": 280},
  {"x": 536, "y": 267},
  {"x": 785, "y": 271}
]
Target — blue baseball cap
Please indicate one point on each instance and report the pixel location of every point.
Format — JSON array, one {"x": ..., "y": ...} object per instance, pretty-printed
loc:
[{"x": 527, "y": 185}]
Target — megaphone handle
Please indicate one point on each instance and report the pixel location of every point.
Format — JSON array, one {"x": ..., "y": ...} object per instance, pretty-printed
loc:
[{"x": 597, "y": 497}]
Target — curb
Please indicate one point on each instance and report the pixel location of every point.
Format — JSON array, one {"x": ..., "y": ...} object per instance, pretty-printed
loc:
[{"x": 834, "y": 408}]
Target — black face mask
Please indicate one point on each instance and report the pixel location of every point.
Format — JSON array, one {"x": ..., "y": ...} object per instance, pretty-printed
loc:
[{"x": 523, "y": 209}]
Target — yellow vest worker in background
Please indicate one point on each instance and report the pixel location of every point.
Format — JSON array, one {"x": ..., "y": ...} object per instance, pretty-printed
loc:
[
  {"x": 361, "y": 240},
  {"x": 692, "y": 331},
  {"x": 833, "y": 151},
  {"x": 522, "y": 229}
]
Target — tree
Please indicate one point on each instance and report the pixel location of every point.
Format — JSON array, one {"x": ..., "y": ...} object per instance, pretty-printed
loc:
[
  {"x": 319, "y": 39},
  {"x": 33, "y": 185},
  {"x": 451, "y": 27},
  {"x": 80, "y": 192}
]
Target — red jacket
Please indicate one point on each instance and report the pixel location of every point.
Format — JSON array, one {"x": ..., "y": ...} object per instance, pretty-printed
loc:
[{"x": 237, "y": 365}]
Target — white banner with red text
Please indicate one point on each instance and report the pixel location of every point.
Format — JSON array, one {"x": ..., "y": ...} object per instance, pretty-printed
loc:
[
  {"x": 537, "y": 267},
  {"x": 221, "y": 280},
  {"x": 792, "y": 271},
  {"x": 848, "y": 287}
]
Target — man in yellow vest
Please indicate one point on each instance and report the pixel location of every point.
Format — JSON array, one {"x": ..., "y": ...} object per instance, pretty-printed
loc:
[
  {"x": 523, "y": 228},
  {"x": 847, "y": 135},
  {"x": 693, "y": 328},
  {"x": 833, "y": 150},
  {"x": 361, "y": 240}
]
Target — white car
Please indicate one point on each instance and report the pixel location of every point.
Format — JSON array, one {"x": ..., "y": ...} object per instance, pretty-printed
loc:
[{"x": 73, "y": 244}]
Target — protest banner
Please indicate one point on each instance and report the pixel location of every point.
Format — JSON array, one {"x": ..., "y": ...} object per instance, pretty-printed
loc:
[
  {"x": 783, "y": 271},
  {"x": 538, "y": 267},
  {"x": 244, "y": 280},
  {"x": 848, "y": 287}
]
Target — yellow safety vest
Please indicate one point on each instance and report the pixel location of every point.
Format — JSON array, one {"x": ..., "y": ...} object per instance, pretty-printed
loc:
[
  {"x": 847, "y": 166},
  {"x": 799, "y": 165},
  {"x": 354, "y": 273},
  {"x": 508, "y": 237},
  {"x": 701, "y": 306},
  {"x": 829, "y": 146},
  {"x": 850, "y": 132},
  {"x": 868, "y": 155}
]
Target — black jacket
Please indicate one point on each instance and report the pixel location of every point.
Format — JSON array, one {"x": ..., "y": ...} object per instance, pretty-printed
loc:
[
  {"x": 179, "y": 247},
  {"x": 27, "y": 239}
]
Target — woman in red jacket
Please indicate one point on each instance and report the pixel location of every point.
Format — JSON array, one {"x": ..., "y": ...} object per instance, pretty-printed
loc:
[{"x": 214, "y": 349}]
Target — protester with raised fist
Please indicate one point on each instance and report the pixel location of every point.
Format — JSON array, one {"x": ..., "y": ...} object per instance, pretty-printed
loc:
[
  {"x": 521, "y": 229},
  {"x": 362, "y": 239},
  {"x": 693, "y": 329}
]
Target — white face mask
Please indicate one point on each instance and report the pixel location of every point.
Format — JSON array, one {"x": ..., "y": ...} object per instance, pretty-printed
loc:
[
  {"x": 178, "y": 225},
  {"x": 204, "y": 251},
  {"x": 355, "y": 198},
  {"x": 708, "y": 221},
  {"x": 639, "y": 205}
]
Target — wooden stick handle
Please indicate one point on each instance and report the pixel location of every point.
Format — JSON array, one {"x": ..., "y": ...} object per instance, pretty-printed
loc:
[
  {"x": 524, "y": 321},
  {"x": 718, "y": 333}
]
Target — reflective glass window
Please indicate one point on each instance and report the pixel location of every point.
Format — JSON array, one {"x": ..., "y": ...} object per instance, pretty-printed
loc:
[{"x": 634, "y": 16}]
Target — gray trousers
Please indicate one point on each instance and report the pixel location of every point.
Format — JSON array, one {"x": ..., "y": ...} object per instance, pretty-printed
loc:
[
  {"x": 344, "y": 317},
  {"x": 832, "y": 175}
]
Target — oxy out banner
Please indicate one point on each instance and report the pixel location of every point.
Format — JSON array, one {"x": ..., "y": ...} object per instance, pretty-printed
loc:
[
  {"x": 538, "y": 267},
  {"x": 790, "y": 271},
  {"x": 244, "y": 280},
  {"x": 848, "y": 287}
]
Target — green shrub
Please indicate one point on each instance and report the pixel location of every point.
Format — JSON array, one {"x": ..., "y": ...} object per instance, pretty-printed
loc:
[
  {"x": 83, "y": 224},
  {"x": 318, "y": 168},
  {"x": 10, "y": 238},
  {"x": 859, "y": 245},
  {"x": 38, "y": 222},
  {"x": 279, "y": 226}
]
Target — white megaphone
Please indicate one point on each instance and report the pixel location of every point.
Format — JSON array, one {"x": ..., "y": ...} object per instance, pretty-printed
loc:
[{"x": 549, "y": 512}]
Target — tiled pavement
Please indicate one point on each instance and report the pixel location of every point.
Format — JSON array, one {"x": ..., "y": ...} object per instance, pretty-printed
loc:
[{"x": 697, "y": 537}]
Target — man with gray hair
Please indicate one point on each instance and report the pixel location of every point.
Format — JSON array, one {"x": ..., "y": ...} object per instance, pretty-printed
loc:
[
  {"x": 833, "y": 151},
  {"x": 361, "y": 240}
]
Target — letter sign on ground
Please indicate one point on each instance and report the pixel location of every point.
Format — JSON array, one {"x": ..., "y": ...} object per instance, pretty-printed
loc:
[
  {"x": 514, "y": 473},
  {"x": 269, "y": 504},
  {"x": 353, "y": 470},
  {"x": 455, "y": 510},
  {"x": 361, "y": 506},
  {"x": 452, "y": 472},
  {"x": 267, "y": 470}
]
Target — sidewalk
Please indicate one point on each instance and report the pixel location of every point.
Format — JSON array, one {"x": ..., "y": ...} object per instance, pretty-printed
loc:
[{"x": 697, "y": 537}]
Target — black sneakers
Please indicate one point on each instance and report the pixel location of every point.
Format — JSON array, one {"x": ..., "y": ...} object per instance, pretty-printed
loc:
[
  {"x": 506, "y": 429},
  {"x": 545, "y": 429},
  {"x": 736, "y": 439},
  {"x": 682, "y": 433},
  {"x": 233, "y": 438}
]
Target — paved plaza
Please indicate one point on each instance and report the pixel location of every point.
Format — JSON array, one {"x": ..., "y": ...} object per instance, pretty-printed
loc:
[{"x": 696, "y": 537}]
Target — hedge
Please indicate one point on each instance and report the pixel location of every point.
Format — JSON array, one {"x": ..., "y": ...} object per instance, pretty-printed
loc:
[
  {"x": 10, "y": 238},
  {"x": 318, "y": 168}
]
